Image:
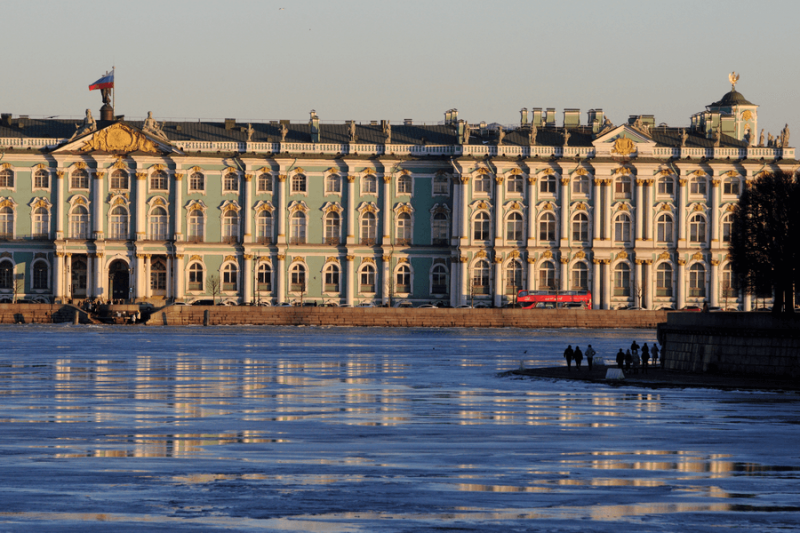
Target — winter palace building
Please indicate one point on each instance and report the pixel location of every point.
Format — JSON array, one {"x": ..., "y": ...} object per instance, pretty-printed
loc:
[{"x": 637, "y": 213}]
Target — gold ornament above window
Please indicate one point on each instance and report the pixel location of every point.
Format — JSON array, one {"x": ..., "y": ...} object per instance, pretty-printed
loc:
[{"x": 623, "y": 146}]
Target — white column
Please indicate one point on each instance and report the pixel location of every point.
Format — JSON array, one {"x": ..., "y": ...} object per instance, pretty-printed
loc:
[
  {"x": 596, "y": 287},
  {"x": 140, "y": 202},
  {"x": 640, "y": 211},
  {"x": 58, "y": 277},
  {"x": 248, "y": 209},
  {"x": 387, "y": 211},
  {"x": 714, "y": 283},
  {"x": 681, "y": 281},
  {"x": 747, "y": 304},
  {"x": 531, "y": 213},
  {"x": 180, "y": 277},
  {"x": 60, "y": 205},
  {"x": 637, "y": 283},
  {"x": 564, "y": 282},
  {"x": 90, "y": 290},
  {"x": 498, "y": 282},
  {"x": 454, "y": 284},
  {"x": 681, "y": 213},
  {"x": 280, "y": 278},
  {"x": 350, "y": 278},
  {"x": 714, "y": 238},
  {"x": 457, "y": 214},
  {"x": 498, "y": 211},
  {"x": 280, "y": 213},
  {"x": 598, "y": 209},
  {"x": 148, "y": 289},
  {"x": 564, "y": 211},
  {"x": 650, "y": 286},
  {"x": 138, "y": 276},
  {"x": 464, "y": 210},
  {"x": 606, "y": 280},
  {"x": 177, "y": 211},
  {"x": 248, "y": 276},
  {"x": 531, "y": 273},
  {"x": 463, "y": 278},
  {"x": 607, "y": 209},
  {"x": 97, "y": 199},
  {"x": 100, "y": 277},
  {"x": 170, "y": 261},
  {"x": 649, "y": 194},
  {"x": 387, "y": 279}
]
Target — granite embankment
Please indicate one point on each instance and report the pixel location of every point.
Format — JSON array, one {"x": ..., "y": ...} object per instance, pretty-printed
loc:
[
  {"x": 42, "y": 314},
  {"x": 396, "y": 317}
]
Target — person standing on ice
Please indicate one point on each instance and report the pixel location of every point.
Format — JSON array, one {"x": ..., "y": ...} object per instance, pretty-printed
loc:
[
  {"x": 620, "y": 358},
  {"x": 634, "y": 349},
  {"x": 645, "y": 357},
  {"x": 655, "y": 354},
  {"x": 590, "y": 356},
  {"x": 568, "y": 354},
  {"x": 628, "y": 360},
  {"x": 578, "y": 356}
]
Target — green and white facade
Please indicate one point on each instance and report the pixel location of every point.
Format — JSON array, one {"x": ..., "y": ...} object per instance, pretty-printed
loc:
[{"x": 337, "y": 213}]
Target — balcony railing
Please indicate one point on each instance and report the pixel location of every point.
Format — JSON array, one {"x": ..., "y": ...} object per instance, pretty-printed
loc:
[
  {"x": 297, "y": 240},
  {"x": 230, "y": 239},
  {"x": 402, "y": 242},
  {"x": 332, "y": 241},
  {"x": 264, "y": 240},
  {"x": 368, "y": 242},
  {"x": 440, "y": 242}
]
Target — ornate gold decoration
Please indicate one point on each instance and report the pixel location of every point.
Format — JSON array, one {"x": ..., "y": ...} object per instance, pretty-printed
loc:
[
  {"x": 548, "y": 171},
  {"x": 367, "y": 260},
  {"x": 623, "y": 207},
  {"x": 548, "y": 207},
  {"x": 387, "y": 179},
  {"x": 229, "y": 258},
  {"x": 119, "y": 138},
  {"x": 158, "y": 166},
  {"x": 665, "y": 172},
  {"x": 698, "y": 256},
  {"x": 60, "y": 173},
  {"x": 99, "y": 175},
  {"x": 281, "y": 257},
  {"x": 80, "y": 164},
  {"x": 697, "y": 172},
  {"x": 747, "y": 115},
  {"x": 464, "y": 179},
  {"x": 730, "y": 207},
  {"x": 248, "y": 257},
  {"x": 581, "y": 206},
  {"x": 597, "y": 261},
  {"x": 564, "y": 181},
  {"x": 40, "y": 203},
  {"x": 332, "y": 259},
  {"x": 179, "y": 256},
  {"x": 481, "y": 253},
  {"x": 515, "y": 205},
  {"x": 681, "y": 262},
  {"x": 350, "y": 257},
  {"x": 640, "y": 181},
  {"x": 622, "y": 171},
  {"x": 178, "y": 176},
  {"x": 499, "y": 179},
  {"x": 401, "y": 260},
  {"x": 531, "y": 179},
  {"x": 622, "y": 255},
  {"x": 682, "y": 182},
  {"x": 639, "y": 261},
  {"x": 481, "y": 171},
  {"x": 482, "y": 205},
  {"x": 581, "y": 172},
  {"x": 281, "y": 177},
  {"x": 514, "y": 254},
  {"x": 666, "y": 207},
  {"x": 248, "y": 177},
  {"x": 714, "y": 262},
  {"x": 698, "y": 207},
  {"x": 531, "y": 260},
  {"x": 141, "y": 175},
  {"x": 7, "y": 203},
  {"x": 623, "y": 146},
  {"x": 368, "y": 171},
  {"x": 497, "y": 259},
  {"x": 118, "y": 201},
  {"x": 733, "y": 78},
  {"x": 351, "y": 179},
  {"x": 564, "y": 259},
  {"x": 369, "y": 208},
  {"x": 80, "y": 201},
  {"x": 581, "y": 254},
  {"x": 548, "y": 254},
  {"x": 40, "y": 166},
  {"x": 405, "y": 208},
  {"x": 715, "y": 183}
]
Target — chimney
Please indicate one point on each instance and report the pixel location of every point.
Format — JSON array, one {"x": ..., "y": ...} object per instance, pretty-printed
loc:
[
  {"x": 313, "y": 123},
  {"x": 230, "y": 123},
  {"x": 538, "y": 121},
  {"x": 453, "y": 116},
  {"x": 595, "y": 118},
  {"x": 6, "y": 119},
  {"x": 408, "y": 122},
  {"x": 460, "y": 130},
  {"x": 551, "y": 117},
  {"x": 523, "y": 117},
  {"x": 447, "y": 116},
  {"x": 572, "y": 118}
]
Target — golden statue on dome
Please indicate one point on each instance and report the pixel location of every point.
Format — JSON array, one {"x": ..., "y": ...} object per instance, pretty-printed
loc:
[{"x": 733, "y": 78}]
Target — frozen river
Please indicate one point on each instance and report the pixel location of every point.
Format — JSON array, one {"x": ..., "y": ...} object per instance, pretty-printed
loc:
[{"x": 372, "y": 430}]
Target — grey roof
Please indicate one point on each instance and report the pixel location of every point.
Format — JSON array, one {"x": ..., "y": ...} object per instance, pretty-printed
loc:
[{"x": 730, "y": 99}]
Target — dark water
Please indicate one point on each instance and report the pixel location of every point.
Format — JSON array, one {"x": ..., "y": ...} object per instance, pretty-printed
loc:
[{"x": 372, "y": 430}]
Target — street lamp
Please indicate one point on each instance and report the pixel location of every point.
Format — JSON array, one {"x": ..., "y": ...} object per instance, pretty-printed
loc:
[{"x": 130, "y": 284}]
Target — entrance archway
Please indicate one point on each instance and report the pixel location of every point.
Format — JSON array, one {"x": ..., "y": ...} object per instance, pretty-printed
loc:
[{"x": 119, "y": 280}]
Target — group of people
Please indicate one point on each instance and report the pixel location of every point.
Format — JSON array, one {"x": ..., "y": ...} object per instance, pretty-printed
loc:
[
  {"x": 577, "y": 355},
  {"x": 628, "y": 360}
]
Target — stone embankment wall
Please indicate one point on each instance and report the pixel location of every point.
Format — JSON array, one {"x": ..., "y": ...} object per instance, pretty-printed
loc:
[
  {"x": 753, "y": 344},
  {"x": 41, "y": 314},
  {"x": 395, "y": 317}
]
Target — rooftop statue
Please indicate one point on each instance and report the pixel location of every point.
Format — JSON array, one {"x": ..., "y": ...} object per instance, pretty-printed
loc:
[
  {"x": 284, "y": 131},
  {"x": 770, "y": 140},
  {"x": 89, "y": 125},
  {"x": 466, "y": 133},
  {"x": 500, "y": 135},
  {"x": 684, "y": 136},
  {"x": 761, "y": 140},
  {"x": 388, "y": 133},
  {"x": 532, "y": 135},
  {"x": 717, "y": 137},
  {"x": 353, "y": 137},
  {"x": 250, "y": 132},
  {"x": 152, "y": 127},
  {"x": 785, "y": 136},
  {"x": 567, "y": 135},
  {"x": 733, "y": 78}
]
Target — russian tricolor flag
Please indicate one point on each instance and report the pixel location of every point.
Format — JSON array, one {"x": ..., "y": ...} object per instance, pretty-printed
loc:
[{"x": 106, "y": 82}]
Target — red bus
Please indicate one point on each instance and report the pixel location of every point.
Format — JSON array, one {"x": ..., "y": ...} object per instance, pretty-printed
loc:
[{"x": 554, "y": 299}]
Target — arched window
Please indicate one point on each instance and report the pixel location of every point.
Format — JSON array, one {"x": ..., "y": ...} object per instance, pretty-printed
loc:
[
  {"x": 547, "y": 276},
  {"x": 333, "y": 185},
  {"x": 79, "y": 179},
  {"x": 118, "y": 226},
  {"x": 547, "y": 184},
  {"x": 580, "y": 276},
  {"x": 41, "y": 275},
  {"x": 664, "y": 228},
  {"x": 440, "y": 229},
  {"x": 580, "y": 185},
  {"x": 622, "y": 187},
  {"x": 196, "y": 226},
  {"x": 197, "y": 182},
  {"x": 513, "y": 277},
  {"x": 333, "y": 228},
  {"x": 367, "y": 278},
  {"x": 664, "y": 280},
  {"x": 79, "y": 223},
  {"x": 196, "y": 277},
  {"x": 697, "y": 280},
  {"x": 403, "y": 279},
  {"x": 727, "y": 227},
  {"x": 697, "y": 185},
  {"x": 481, "y": 227},
  {"x": 697, "y": 228},
  {"x": 369, "y": 184},
  {"x": 230, "y": 182},
  {"x": 119, "y": 180},
  {"x": 6, "y": 223},
  {"x": 547, "y": 227},
  {"x": 264, "y": 183},
  {"x": 514, "y": 185},
  {"x": 230, "y": 277},
  {"x": 403, "y": 229},
  {"x": 7, "y": 178},
  {"x": 158, "y": 275},
  {"x": 404, "y": 184},
  {"x": 299, "y": 183},
  {"x": 331, "y": 275},
  {"x": 264, "y": 227},
  {"x": 41, "y": 223},
  {"x": 439, "y": 281},
  {"x": 6, "y": 275},
  {"x": 158, "y": 224},
  {"x": 728, "y": 289},
  {"x": 158, "y": 181},
  {"x": 297, "y": 278},
  {"x": 369, "y": 229},
  {"x": 230, "y": 226},
  {"x": 483, "y": 184},
  {"x": 622, "y": 228},
  {"x": 41, "y": 179},
  {"x": 264, "y": 277},
  {"x": 297, "y": 230},
  {"x": 580, "y": 227},
  {"x": 731, "y": 186},
  {"x": 514, "y": 227},
  {"x": 441, "y": 185},
  {"x": 622, "y": 280},
  {"x": 665, "y": 186},
  {"x": 480, "y": 277}
]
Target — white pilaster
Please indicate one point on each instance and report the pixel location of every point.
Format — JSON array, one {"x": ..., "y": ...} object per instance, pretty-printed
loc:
[
  {"x": 177, "y": 212},
  {"x": 681, "y": 222},
  {"x": 351, "y": 260},
  {"x": 138, "y": 276},
  {"x": 100, "y": 277},
  {"x": 454, "y": 285},
  {"x": 638, "y": 284},
  {"x": 649, "y": 285},
  {"x": 387, "y": 211},
  {"x": 596, "y": 286},
  {"x": 148, "y": 288},
  {"x": 498, "y": 283},
  {"x": 180, "y": 277},
  {"x": 640, "y": 211},
  {"x": 607, "y": 184},
  {"x": 649, "y": 194},
  {"x": 97, "y": 199},
  {"x": 280, "y": 278},
  {"x": 387, "y": 279},
  {"x": 681, "y": 281},
  {"x": 564, "y": 211},
  {"x": 58, "y": 277},
  {"x": 498, "y": 212},
  {"x": 140, "y": 203},
  {"x": 531, "y": 274},
  {"x": 714, "y": 237},
  {"x": 280, "y": 214},
  {"x": 714, "y": 283},
  {"x": 170, "y": 262},
  {"x": 352, "y": 231},
  {"x": 463, "y": 279},
  {"x": 248, "y": 209},
  {"x": 457, "y": 214},
  {"x": 464, "y": 210},
  {"x": 598, "y": 209},
  {"x": 531, "y": 215},
  {"x": 248, "y": 275},
  {"x": 90, "y": 289},
  {"x": 747, "y": 304},
  {"x": 606, "y": 278},
  {"x": 60, "y": 205}
]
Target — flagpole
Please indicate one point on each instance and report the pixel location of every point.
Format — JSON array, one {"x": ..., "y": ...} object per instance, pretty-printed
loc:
[{"x": 114, "y": 91}]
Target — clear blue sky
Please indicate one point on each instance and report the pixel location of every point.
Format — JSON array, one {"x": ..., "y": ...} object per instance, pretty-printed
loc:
[{"x": 374, "y": 59}]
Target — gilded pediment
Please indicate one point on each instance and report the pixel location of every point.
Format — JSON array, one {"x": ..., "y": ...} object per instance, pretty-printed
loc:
[
  {"x": 118, "y": 138},
  {"x": 624, "y": 141}
]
